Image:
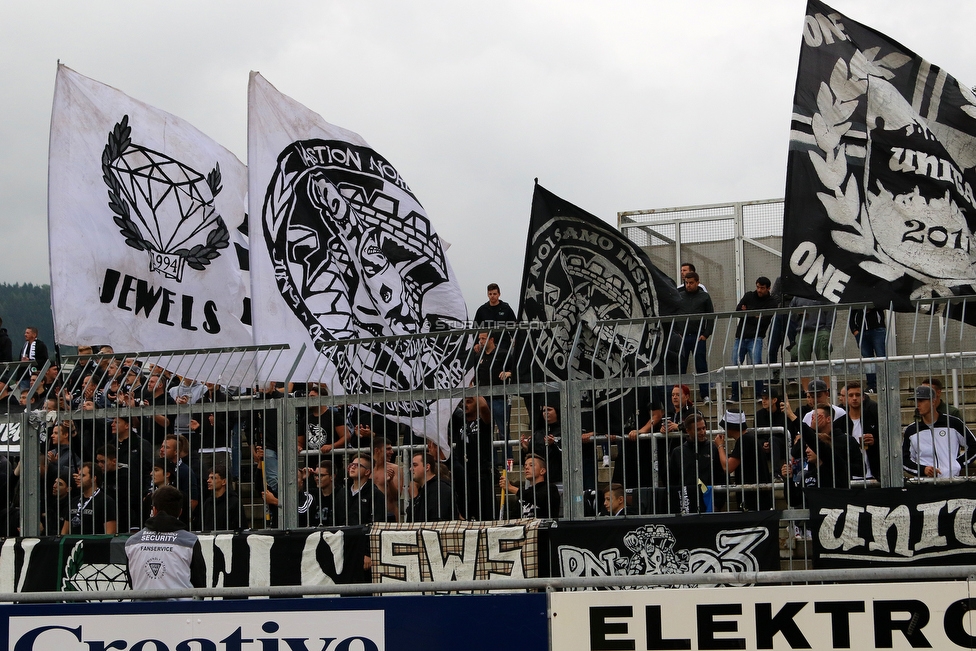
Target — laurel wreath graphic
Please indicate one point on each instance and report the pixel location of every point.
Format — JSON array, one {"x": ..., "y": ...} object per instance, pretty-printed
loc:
[
  {"x": 836, "y": 103},
  {"x": 198, "y": 257}
]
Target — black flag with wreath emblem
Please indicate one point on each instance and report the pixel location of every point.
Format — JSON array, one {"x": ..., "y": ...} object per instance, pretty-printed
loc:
[
  {"x": 879, "y": 191},
  {"x": 582, "y": 273}
]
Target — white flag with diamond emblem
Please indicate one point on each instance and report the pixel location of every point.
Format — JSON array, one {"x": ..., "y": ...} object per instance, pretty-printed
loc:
[
  {"x": 147, "y": 226},
  {"x": 346, "y": 263}
]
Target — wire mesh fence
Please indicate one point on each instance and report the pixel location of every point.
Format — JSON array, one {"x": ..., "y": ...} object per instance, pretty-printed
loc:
[{"x": 455, "y": 425}]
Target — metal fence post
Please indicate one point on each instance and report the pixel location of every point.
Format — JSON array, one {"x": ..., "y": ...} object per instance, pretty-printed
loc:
[
  {"x": 30, "y": 479},
  {"x": 569, "y": 396},
  {"x": 889, "y": 415},
  {"x": 287, "y": 464}
]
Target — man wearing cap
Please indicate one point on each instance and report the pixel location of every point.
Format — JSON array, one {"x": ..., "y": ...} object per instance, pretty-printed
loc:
[
  {"x": 818, "y": 393},
  {"x": 937, "y": 402},
  {"x": 937, "y": 445},
  {"x": 748, "y": 463}
]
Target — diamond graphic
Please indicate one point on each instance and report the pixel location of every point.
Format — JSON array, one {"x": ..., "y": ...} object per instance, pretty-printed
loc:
[{"x": 163, "y": 206}]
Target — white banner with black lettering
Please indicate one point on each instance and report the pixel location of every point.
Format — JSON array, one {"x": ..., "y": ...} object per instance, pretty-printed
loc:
[
  {"x": 863, "y": 617},
  {"x": 146, "y": 222},
  {"x": 345, "y": 252}
]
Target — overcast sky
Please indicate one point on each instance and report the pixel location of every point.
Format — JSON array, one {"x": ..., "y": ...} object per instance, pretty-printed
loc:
[{"x": 613, "y": 105}]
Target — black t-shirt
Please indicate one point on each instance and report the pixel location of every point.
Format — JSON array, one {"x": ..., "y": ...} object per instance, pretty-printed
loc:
[
  {"x": 320, "y": 428},
  {"x": 539, "y": 501},
  {"x": 89, "y": 515}
]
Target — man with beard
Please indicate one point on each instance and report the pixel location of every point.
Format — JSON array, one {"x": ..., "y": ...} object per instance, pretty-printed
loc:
[
  {"x": 861, "y": 423},
  {"x": 321, "y": 505},
  {"x": 435, "y": 498},
  {"x": 94, "y": 512},
  {"x": 363, "y": 500},
  {"x": 832, "y": 457}
]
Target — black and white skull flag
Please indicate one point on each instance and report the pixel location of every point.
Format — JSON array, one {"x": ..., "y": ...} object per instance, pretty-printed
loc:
[
  {"x": 347, "y": 263},
  {"x": 879, "y": 192},
  {"x": 581, "y": 272},
  {"x": 145, "y": 217}
]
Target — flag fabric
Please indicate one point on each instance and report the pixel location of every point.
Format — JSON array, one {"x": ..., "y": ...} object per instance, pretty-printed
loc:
[
  {"x": 879, "y": 192},
  {"x": 344, "y": 256},
  {"x": 580, "y": 270},
  {"x": 144, "y": 217}
]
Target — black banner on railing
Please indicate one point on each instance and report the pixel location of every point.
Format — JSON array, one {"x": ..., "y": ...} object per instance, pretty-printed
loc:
[
  {"x": 689, "y": 545},
  {"x": 76, "y": 563},
  {"x": 921, "y": 525}
]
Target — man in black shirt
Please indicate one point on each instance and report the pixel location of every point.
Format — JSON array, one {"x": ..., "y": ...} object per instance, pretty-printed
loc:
[
  {"x": 492, "y": 370},
  {"x": 748, "y": 463},
  {"x": 435, "y": 498},
  {"x": 472, "y": 459},
  {"x": 364, "y": 502},
  {"x": 321, "y": 506},
  {"x": 751, "y": 331},
  {"x": 694, "y": 465},
  {"x": 222, "y": 510},
  {"x": 537, "y": 498},
  {"x": 6, "y": 345},
  {"x": 94, "y": 512},
  {"x": 772, "y": 415},
  {"x": 495, "y": 314},
  {"x": 696, "y": 331}
]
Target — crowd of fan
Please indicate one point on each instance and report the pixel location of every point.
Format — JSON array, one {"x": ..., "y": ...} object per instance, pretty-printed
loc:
[{"x": 356, "y": 467}]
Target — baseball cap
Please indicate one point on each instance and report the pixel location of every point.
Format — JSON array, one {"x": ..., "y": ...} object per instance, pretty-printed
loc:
[
  {"x": 734, "y": 419},
  {"x": 817, "y": 386},
  {"x": 924, "y": 393}
]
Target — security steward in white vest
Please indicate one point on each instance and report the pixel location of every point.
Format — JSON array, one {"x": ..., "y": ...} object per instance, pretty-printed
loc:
[{"x": 163, "y": 555}]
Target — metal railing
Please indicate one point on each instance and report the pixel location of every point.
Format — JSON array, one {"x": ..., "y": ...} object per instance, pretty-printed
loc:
[{"x": 611, "y": 420}]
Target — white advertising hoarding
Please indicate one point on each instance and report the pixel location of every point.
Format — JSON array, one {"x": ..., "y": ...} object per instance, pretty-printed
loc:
[{"x": 879, "y": 616}]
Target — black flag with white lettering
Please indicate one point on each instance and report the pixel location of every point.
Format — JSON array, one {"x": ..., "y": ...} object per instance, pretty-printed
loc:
[
  {"x": 879, "y": 191},
  {"x": 582, "y": 273}
]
